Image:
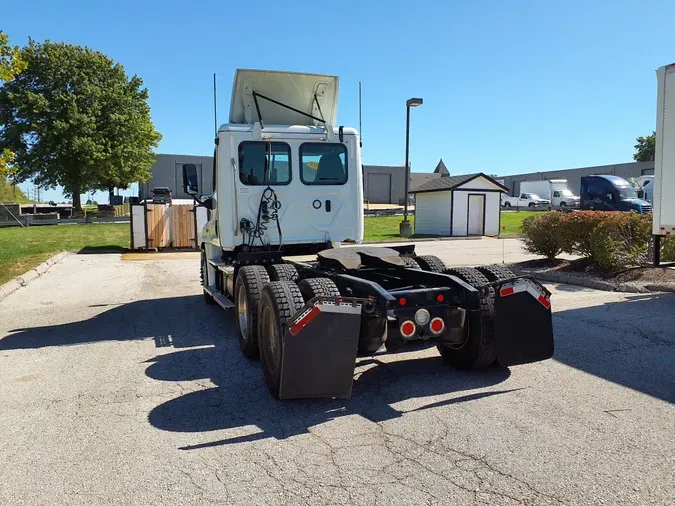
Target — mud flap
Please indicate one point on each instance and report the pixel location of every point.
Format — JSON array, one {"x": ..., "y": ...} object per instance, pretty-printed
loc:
[
  {"x": 523, "y": 323},
  {"x": 319, "y": 353}
]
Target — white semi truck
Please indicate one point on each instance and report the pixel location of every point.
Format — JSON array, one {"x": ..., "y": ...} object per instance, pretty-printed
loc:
[
  {"x": 554, "y": 190},
  {"x": 288, "y": 181},
  {"x": 663, "y": 224}
]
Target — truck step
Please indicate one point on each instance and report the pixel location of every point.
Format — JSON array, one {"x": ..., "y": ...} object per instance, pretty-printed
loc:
[
  {"x": 222, "y": 301},
  {"x": 216, "y": 264}
]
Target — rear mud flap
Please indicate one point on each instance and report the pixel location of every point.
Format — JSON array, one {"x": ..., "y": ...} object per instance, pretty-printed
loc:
[
  {"x": 523, "y": 323},
  {"x": 319, "y": 354}
]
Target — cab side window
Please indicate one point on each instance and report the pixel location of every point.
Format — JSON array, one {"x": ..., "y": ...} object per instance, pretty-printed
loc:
[{"x": 264, "y": 163}]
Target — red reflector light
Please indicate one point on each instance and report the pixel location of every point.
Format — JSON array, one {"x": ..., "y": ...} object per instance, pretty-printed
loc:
[
  {"x": 402, "y": 301},
  {"x": 407, "y": 328},
  {"x": 506, "y": 291},
  {"x": 440, "y": 297},
  {"x": 301, "y": 324},
  {"x": 544, "y": 302},
  {"x": 437, "y": 325}
]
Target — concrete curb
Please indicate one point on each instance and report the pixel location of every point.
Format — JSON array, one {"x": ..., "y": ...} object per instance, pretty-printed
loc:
[
  {"x": 597, "y": 284},
  {"x": 13, "y": 285}
]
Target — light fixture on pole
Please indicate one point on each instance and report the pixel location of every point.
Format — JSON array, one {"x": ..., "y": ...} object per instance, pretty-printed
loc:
[{"x": 405, "y": 229}]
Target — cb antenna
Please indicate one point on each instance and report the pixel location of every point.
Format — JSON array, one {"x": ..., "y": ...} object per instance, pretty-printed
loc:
[
  {"x": 215, "y": 110},
  {"x": 360, "y": 128}
]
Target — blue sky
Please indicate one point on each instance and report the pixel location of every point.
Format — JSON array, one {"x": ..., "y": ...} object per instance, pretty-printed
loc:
[{"x": 508, "y": 86}]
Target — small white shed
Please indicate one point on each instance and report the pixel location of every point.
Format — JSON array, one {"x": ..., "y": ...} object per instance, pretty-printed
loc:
[{"x": 459, "y": 206}]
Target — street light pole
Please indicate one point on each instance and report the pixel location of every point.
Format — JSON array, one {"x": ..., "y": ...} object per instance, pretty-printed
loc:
[{"x": 405, "y": 229}]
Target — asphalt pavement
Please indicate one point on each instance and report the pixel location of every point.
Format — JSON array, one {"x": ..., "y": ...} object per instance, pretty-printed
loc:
[{"x": 119, "y": 385}]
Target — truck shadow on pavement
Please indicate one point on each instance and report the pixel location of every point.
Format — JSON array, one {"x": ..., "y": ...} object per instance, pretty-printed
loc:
[{"x": 241, "y": 398}]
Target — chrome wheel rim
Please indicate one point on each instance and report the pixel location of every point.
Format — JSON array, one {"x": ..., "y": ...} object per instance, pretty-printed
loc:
[
  {"x": 242, "y": 311},
  {"x": 271, "y": 348}
]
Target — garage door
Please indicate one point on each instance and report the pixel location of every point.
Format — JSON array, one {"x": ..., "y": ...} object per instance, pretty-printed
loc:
[{"x": 379, "y": 188}]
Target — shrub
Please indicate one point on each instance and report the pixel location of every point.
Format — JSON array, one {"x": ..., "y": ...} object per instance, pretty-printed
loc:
[
  {"x": 542, "y": 235},
  {"x": 668, "y": 249},
  {"x": 576, "y": 231},
  {"x": 620, "y": 240}
]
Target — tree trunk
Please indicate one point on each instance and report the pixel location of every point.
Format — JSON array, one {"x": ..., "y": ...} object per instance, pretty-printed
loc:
[
  {"x": 77, "y": 203},
  {"x": 111, "y": 194}
]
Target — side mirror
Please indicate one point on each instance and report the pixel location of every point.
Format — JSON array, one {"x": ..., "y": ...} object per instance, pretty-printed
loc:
[{"x": 190, "y": 179}]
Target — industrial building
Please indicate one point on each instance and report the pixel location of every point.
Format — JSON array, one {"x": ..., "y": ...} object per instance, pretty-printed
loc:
[
  {"x": 168, "y": 172},
  {"x": 573, "y": 176}
]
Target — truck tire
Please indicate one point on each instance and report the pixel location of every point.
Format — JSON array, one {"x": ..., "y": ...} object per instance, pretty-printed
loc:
[
  {"x": 478, "y": 350},
  {"x": 318, "y": 287},
  {"x": 249, "y": 284},
  {"x": 430, "y": 263},
  {"x": 282, "y": 272},
  {"x": 507, "y": 204},
  {"x": 531, "y": 204},
  {"x": 496, "y": 272},
  {"x": 279, "y": 301},
  {"x": 410, "y": 263},
  {"x": 202, "y": 278}
]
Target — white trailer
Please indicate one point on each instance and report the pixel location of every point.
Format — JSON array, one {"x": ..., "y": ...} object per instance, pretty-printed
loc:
[
  {"x": 555, "y": 190},
  {"x": 664, "y": 166}
]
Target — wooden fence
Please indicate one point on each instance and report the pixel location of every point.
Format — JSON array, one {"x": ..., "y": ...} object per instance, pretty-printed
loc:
[{"x": 156, "y": 226}]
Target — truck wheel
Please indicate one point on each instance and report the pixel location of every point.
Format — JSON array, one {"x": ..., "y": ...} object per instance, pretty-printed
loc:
[
  {"x": 430, "y": 263},
  {"x": 282, "y": 272},
  {"x": 410, "y": 263},
  {"x": 507, "y": 204},
  {"x": 531, "y": 204},
  {"x": 250, "y": 282},
  {"x": 278, "y": 302},
  {"x": 202, "y": 277},
  {"x": 318, "y": 287},
  {"x": 478, "y": 350},
  {"x": 496, "y": 272},
  {"x": 563, "y": 205}
]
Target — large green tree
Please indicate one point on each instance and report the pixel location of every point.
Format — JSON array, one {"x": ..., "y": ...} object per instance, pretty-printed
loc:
[
  {"x": 645, "y": 148},
  {"x": 75, "y": 119},
  {"x": 10, "y": 65}
]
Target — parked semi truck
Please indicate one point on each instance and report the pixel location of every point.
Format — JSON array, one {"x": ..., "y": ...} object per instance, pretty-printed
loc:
[
  {"x": 287, "y": 182},
  {"x": 554, "y": 190},
  {"x": 611, "y": 193},
  {"x": 663, "y": 224}
]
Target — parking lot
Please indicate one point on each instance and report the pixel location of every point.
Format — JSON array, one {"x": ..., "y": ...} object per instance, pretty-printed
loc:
[{"x": 119, "y": 385}]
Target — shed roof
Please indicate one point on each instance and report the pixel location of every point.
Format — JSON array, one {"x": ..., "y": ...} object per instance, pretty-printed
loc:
[{"x": 451, "y": 182}]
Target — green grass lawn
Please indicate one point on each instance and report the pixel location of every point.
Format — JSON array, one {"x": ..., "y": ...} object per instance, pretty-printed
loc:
[
  {"x": 22, "y": 249},
  {"x": 512, "y": 221},
  {"x": 385, "y": 228}
]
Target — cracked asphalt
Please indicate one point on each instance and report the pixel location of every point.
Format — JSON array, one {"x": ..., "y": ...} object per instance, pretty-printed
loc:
[{"x": 119, "y": 385}]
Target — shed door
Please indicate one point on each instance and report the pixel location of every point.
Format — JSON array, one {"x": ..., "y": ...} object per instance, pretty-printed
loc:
[
  {"x": 476, "y": 218},
  {"x": 379, "y": 188}
]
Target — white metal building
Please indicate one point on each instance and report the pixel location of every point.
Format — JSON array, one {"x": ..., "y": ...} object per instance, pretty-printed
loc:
[{"x": 458, "y": 206}]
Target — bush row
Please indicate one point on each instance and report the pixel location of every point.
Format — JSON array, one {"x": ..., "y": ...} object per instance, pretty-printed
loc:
[{"x": 612, "y": 239}]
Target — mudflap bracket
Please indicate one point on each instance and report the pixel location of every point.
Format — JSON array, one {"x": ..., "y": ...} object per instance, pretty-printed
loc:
[{"x": 319, "y": 348}]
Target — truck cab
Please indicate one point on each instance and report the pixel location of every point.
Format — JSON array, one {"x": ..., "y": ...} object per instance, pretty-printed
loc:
[
  {"x": 611, "y": 193},
  {"x": 284, "y": 176}
]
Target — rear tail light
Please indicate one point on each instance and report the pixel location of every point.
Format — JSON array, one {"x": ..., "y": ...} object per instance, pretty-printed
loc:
[
  {"x": 437, "y": 326},
  {"x": 408, "y": 328}
]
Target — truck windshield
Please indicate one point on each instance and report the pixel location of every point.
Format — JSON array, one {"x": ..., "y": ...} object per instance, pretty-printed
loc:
[{"x": 627, "y": 193}]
